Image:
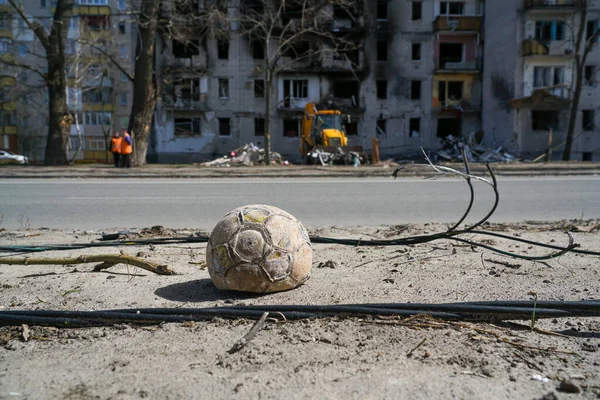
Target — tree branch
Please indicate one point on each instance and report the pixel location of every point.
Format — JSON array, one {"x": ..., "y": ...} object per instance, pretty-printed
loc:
[
  {"x": 35, "y": 26},
  {"x": 111, "y": 58},
  {"x": 107, "y": 261},
  {"x": 27, "y": 67}
]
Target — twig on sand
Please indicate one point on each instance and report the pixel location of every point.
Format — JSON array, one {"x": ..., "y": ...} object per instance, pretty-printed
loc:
[
  {"x": 416, "y": 347},
  {"x": 241, "y": 343},
  {"x": 105, "y": 260}
]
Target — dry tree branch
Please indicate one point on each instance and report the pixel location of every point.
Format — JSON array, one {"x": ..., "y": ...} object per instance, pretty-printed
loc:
[{"x": 106, "y": 260}]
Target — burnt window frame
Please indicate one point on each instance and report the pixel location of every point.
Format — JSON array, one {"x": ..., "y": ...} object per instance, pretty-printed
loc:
[
  {"x": 381, "y": 89},
  {"x": 259, "y": 88},
  {"x": 258, "y": 124},
  {"x": 288, "y": 121},
  {"x": 224, "y": 127},
  {"x": 417, "y": 11},
  {"x": 415, "y": 89},
  {"x": 415, "y": 52}
]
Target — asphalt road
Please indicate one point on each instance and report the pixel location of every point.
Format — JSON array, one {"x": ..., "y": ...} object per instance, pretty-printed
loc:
[{"x": 200, "y": 203}]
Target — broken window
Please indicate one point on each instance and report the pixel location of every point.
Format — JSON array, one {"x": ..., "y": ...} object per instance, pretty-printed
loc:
[
  {"x": 259, "y": 88},
  {"x": 448, "y": 126},
  {"x": 591, "y": 27},
  {"x": 223, "y": 88},
  {"x": 187, "y": 126},
  {"x": 350, "y": 52},
  {"x": 122, "y": 28},
  {"x": 450, "y": 90},
  {"x": 382, "y": 90},
  {"x": 259, "y": 127},
  {"x": 452, "y": 7},
  {"x": 589, "y": 72},
  {"x": 417, "y": 7},
  {"x": 187, "y": 88},
  {"x": 550, "y": 30},
  {"x": 548, "y": 76},
  {"x": 415, "y": 90},
  {"x": 297, "y": 50},
  {"x": 223, "y": 49},
  {"x": 351, "y": 128},
  {"x": 586, "y": 156},
  {"x": 450, "y": 53},
  {"x": 382, "y": 6},
  {"x": 296, "y": 88},
  {"x": 344, "y": 11},
  {"x": 224, "y": 126},
  {"x": 186, "y": 49},
  {"x": 414, "y": 127},
  {"x": 290, "y": 127},
  {"x": 543, "y": 120},
  {"x": 381, "y": 127},
  {"x": 291, "y": 10},
  {"x": 382, "y": 51},
  {"x": 346, "y": 90},
  {"x": 416, "y": 51},
  {"x": 587, "y": 121},
  {"x": 258, "y": 51}
]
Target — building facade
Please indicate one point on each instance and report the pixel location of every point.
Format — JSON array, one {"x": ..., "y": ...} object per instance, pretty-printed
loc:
[
  {"x": 417, "y": 72},
  {"x": 414, "y": 77},
  {"x": 530, "y": 77}
]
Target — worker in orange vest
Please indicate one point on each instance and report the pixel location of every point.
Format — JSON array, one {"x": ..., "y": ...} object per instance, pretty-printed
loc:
[
  {"x": 126, "y": 150},
  {"x": 115, "y": 148}
]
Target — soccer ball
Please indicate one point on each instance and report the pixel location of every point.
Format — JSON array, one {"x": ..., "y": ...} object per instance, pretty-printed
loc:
[{"x": 259, "y": 248}]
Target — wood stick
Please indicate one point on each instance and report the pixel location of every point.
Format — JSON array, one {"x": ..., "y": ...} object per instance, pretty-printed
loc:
[
  {"x": 241, "y": 343},
  {"x": 106, "y": 260}
]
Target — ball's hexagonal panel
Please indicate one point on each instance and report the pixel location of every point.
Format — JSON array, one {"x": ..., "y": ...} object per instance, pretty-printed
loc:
[
  {"x": 285, "y": 232},
  {"x": 249, "y": 245},
  {"x": 218, "y": 257},
  {"x": 301, "y": 264},
  {"x": 225, "y": 228},
  {"x": 277, "y": 265},
  {"x": 256, "y": 215},
  {"x": 259, "y": 248}
]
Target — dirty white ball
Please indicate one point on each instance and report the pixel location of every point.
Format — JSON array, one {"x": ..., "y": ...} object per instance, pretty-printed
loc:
[{"x": 259, "y": 248}]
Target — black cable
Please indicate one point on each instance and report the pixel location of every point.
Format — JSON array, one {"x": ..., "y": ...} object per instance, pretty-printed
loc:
[{"x": 466, "y": 311}]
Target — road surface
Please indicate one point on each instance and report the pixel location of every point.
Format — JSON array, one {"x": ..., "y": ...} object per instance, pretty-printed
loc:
[{"x": 90, "y": 204}]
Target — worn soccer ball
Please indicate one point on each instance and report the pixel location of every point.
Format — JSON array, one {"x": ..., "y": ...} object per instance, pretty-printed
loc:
[{"x": 259, "y": 248}]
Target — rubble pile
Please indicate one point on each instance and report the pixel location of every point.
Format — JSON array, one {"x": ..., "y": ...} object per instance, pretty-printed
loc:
[
  {"x": 474, "y": 149},
  {"x": 336, "y": 157},
  {"x": 249, "y": 155}
]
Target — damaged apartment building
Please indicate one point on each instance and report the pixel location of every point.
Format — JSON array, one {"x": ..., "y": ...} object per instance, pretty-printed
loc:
[
  {"x": 408, "y": 74},
  {"x": 530, "y": 76}
]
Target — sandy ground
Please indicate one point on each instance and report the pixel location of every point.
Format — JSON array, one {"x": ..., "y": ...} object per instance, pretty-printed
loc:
[{"x": 337, "y": 358}]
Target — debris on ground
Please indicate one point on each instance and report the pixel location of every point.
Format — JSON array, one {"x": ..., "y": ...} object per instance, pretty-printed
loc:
[
  {"x": 249, "y": 155},
  {"x": 474, "y": 149},
  {"x": 337, "y": 156}
]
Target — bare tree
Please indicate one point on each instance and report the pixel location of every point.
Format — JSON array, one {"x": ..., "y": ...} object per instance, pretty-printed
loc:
[
  {"x": 584, "y": 43},
  {"x": 278, "y": 26},
  {"x": 54, "y": 42}
]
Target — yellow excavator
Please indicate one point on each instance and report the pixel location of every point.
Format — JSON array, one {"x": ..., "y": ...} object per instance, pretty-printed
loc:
[{"x": 324, "y": 138}]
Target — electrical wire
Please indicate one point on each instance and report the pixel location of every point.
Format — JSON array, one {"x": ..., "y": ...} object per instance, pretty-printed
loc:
[{"x": 488, "y": 311}]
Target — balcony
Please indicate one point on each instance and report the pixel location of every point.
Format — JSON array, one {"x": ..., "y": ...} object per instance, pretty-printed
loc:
[
  {"x": 470, "y": 66},
  {"x": 552, "y": 4},
  {"x": 559, "y": 48},
  {"x": 184, "y": 103},
  {"x": 469, "y": 23}
]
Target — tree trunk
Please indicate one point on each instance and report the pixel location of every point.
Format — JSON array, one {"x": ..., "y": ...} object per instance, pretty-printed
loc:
[
  {"x": 59, "y": 128},
  {"x": 573, "y": 113},
  {"x": 268, "y": 93},
  {"x": 144, "y": 91},
  {"x": 60, "y": 119}
]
